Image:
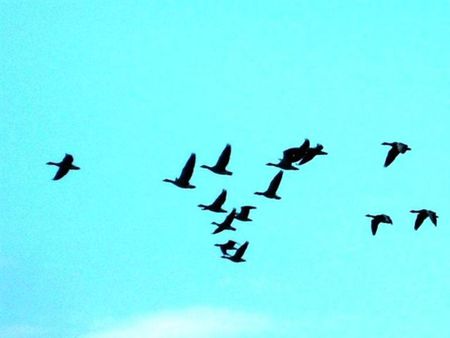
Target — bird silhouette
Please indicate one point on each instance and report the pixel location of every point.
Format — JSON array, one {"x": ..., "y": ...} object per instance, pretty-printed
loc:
[
  {"x": 237, "y": 257},
  {"x": 64, "y": 166},
  {"x": 297, "y": 153},
  {"x": 271, "y": 191},
  {"x": 422, "y": 214},
  {"x": 377, "y": 219},
  {"x": 186, "y": 174},
  {"x": 222, "y": 162},
  {"x": 311, "y": 153},
  {"x": 216, "y": 206},
  {"x": 226, "y": 224},
  {"x": 397, "y": 148},
  {"x": 225, "y": 247},
  {"x": 244, "y": 213},
  {"x": 284, "y": 164}
]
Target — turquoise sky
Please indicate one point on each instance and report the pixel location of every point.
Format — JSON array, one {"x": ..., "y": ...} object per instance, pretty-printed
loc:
[{"x": 131, "y": 89}]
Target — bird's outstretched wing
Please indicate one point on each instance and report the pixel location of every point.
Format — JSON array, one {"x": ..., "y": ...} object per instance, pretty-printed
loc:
[
  {"x": 224, "y": 157},
  {"x": 241, "y": 250},
  {"x": 374, "y": 226},
  {"x": 62, "y": 171},
  {"x": 419, "y": 220},
  {"x": 275, "y": 183},
  {"x": 220, "y": 200},
  {"x": 392, "y": 154},
  {"x": 188, "y": 169}
]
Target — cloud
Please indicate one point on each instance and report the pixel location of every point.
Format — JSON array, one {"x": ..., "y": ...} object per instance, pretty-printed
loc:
[{"x": 199, "y": 322}]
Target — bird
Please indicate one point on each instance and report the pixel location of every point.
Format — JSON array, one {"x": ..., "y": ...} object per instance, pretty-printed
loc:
[
  {"x": 271, "y": 191},
  {"x": 230, "y": 245},
  {"x": 226, "y": 224},
  {"x": 244, "y": 213},
  {"x": 216, "y": 206},
  {"x": 64, "y": 166},
  {"x": 283, "y": 164},
  {"x": 186, "y": 174},
  {"x": 237, "y": 257},
  {"x": 397, "y": 148},
  {"x": 222, "y": 162},
  {"x": 311, "y": 153},
  {"x": 377, "y": 219},
  {"x": 422, "y": 214},
  {"x": 297, "y": 153}
]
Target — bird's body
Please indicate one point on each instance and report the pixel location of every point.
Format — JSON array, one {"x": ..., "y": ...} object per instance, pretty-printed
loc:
[
  {"x": 422, "y": 214},
  {"x": 222, "y": 162},
  {"x": 271, "y": 191},
  {"x": 396, "y": 149},
  {"x": 216, "y": 206},
  {"x": 297, "y": 153},
  {"x": 225, "y": 247},
  {"x": 244, "y": 213},
  {"x": 186, "y": 174},
  {"x": 64, "y": 166},
  {"x": 377, "y": 219},
  {"x": 226, "y": 224},
  {"x": 311, "y": 153},
  {"x": 237, "y": 257}
]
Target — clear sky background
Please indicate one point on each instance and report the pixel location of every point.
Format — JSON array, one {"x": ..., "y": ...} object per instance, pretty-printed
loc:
[{"x": 131, "y": 89}]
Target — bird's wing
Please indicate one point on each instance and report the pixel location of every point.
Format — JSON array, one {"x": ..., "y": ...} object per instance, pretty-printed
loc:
[
  {"x": 392, "y": 154},
  {"x": 291, "y": 155},
  {"x": 230, "y": 217},
  {"x": 419, "y": 220},
  {"x": 305, "y": 146},
  {"x": 62, "y": 171},
  {"x": 224, "y": 157},
  {"x": 220, "y": 200},
  {"x": 433, "y": 217},
  {"x": 275, "y": 183},
  {"x": 188, "y": 169},
  {"x": 241, "y": 250},
  {"x": 374, "y": 225},
  {"x": 245, "y": 210}
]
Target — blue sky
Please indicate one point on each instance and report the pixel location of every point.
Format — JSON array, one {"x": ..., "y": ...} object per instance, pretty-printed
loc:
[{"x": 130, "y": 90}]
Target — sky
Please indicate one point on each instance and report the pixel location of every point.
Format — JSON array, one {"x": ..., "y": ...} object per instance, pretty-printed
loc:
[{"x": 132, "y": 89}]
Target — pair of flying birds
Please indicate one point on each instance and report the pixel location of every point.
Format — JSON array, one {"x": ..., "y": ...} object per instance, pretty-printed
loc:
[{"x": 422, "y": 215}]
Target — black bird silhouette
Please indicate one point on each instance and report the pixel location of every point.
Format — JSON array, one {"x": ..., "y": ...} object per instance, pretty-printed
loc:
[
  {"x": 226, "y": 224},
  {"x": 216, "y": 206},
  {"x": 283, "y": 164},
  {"x": 311, "y": 153},
  {"x": 64, "y": 166},
  {"x": 222, "y": 162},
  {"x": 297, "y": 153},
  {"x": 377, "y": 219},
  {"x": 422, "y": 214},
  {"x": 237, "y": 257},
  {"x": 230, "y": 245},
  {"x": 244, "y": 213},
  {"x": 186, "y": 174},
  {"x": 271, "y": 191},
  {"x": 397, "y": 148}
]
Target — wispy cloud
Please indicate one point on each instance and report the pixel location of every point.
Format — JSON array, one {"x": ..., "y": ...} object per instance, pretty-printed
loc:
[{"x": 199, "y": 322}]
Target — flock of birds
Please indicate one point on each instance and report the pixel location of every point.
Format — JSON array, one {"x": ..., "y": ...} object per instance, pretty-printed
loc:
[{"x": 295, "y": 155}]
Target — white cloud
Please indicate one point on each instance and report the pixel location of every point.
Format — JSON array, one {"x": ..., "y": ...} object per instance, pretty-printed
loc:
[{"x": 199, "y": 322}]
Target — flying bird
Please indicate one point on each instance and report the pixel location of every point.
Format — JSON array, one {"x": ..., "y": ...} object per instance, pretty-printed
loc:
[
  {"x": 225, "y": 247},
  {"x": 397, "y": 148},
  {"x": 222, "y": 162},
  {"x": 244, "y": 213},
  {"x": 237, "y": 257},
  {"x": 311, "y": 153},
  {"x": 186, "y": 174},
  {"x": 64, "y": 166},
  {"x": 377, "y": 219},
  {"x": 422, "y": 214},
  {"x": 216, "y": 206},
  {"x": 271, "y": 191},
  {"x": 226, "y": 224},
  {"x": 297, "y": 153}
]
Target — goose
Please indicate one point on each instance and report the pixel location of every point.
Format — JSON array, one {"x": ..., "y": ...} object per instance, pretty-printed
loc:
[
  {"x": 422, "y": 214},
  {"x": 226, "y": 224},
  {"x": 216, "y": 206},
  {"x": 237, "y": 257},
  {"x": 271, "y": 191},
  {"x": 377, "y": 219},
  {"x": 186, "y": 174},
  {"x": 222, "y": 162},
  {"x": 64, "y": 166},
  {"x": 311, "y": 153},
  {"x": 244, "y": 213},
  {"x": 397, "y": 148},
  {"x": 230, "y": 245},
  {"x": 296, "y": 154}
]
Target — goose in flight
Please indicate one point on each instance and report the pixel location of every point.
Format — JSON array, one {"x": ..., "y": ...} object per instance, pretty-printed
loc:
[
  {"x": 397, "y": 148},
  {"x": 271, "y": 191},
  {"x": 230, "y": 245},
  {"x": 422, "y": 214},
  {"x": 64, "y": 166},
  {"x": 244, "y": 213},
  {"x": 226, "y": 224},
  {"x": 297, "y": 153},
  {"x": 237, "y": 257},
  {"x": 311, "y": 153},
  {"x": 216, "y": 206},
  {"x": 186, "y": 174},
  {"x": 377, "y": 219},
  {"x": 222, "y": 162}
]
